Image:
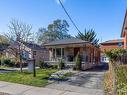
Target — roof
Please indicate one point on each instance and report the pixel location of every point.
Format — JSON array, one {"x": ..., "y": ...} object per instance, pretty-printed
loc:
[
  {"x": 66, "y": 41},
  {"x": 112, "y": 41},
  {"x": 124, "y": 23},
  {"x": 3, "y": 47},
  {"x": 33, "y": 46}
]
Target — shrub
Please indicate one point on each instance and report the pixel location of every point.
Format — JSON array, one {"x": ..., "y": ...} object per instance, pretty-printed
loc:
[
  {"x": 43, "y": 65},
  {"x": 121, "y": 77},
  {"x": 8, "y": 62},
  {"x": 74, "y": 67},
  {"x": 78, "y": 62},
  {"x": 54, "y": 66},
  {"x": 61, "y": 64}
]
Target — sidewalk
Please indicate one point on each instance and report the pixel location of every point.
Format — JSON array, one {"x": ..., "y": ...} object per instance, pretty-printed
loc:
[{"x": 19, "y": 89}]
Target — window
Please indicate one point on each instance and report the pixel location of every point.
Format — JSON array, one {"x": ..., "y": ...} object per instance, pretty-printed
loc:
[
  {"x": 120, "y": 44},
  {"x": 58, "y": 52}
]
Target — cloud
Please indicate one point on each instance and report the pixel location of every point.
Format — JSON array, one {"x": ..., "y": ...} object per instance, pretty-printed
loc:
[{"x": 57, "y": 1}]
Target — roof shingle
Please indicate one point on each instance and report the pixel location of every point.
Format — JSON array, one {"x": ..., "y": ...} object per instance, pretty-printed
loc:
[
  {"x": 66, "y": 41},
  {"x": 112, "y": 41}
]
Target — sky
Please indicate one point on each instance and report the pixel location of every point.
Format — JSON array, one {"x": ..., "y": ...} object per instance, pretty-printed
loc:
[{"x": 104, "y": 16}]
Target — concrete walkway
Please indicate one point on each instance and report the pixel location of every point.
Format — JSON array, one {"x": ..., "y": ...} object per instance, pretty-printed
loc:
[
  {"x": 88, "y": 82},
  {"x": 19, "y": 89}
]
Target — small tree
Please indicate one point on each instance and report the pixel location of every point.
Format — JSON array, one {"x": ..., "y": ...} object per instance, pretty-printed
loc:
[
  {"x": 19, "y": 32},
  {"x": 89, "y": 35},
  {"x": 78, "y": 62},
  {"x": 61, "y": 64},
  {"x": 115, "y": 55}
]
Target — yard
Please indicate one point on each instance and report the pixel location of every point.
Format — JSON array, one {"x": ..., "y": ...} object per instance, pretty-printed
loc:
[{"x": 27, "y": 78}]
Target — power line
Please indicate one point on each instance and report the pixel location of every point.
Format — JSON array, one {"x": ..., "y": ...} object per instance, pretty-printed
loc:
[{"x": 69, "y": 16}]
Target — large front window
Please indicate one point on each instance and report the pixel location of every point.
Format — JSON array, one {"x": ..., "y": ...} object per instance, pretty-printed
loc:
[{"x": 58, "y": 52}]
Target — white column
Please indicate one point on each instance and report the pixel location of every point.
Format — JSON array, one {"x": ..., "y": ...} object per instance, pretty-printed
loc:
[{"x": 51, "y": 54}]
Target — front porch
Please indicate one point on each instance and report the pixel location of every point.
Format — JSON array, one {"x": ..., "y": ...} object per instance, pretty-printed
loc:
[{"x": 68, "y": 54}]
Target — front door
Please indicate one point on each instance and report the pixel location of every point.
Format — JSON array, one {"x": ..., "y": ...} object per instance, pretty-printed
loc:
[{"x": 76, "y": 50}]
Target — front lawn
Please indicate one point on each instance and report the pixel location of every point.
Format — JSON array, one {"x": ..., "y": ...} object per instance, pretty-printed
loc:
[
  {"x": 4, "y": 67},
  {"x": 27, "y": 78}
]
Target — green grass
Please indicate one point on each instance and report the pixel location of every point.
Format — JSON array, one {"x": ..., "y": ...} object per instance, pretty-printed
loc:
[
  {"x": 68, "y": 74},
  {"x": 121, "y": 77},
  {"x": 4, "y": 67},
  {"x": 27, "y": 78}
]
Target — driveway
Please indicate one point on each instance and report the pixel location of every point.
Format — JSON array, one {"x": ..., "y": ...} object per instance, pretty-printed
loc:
[{"x": 88, "y": 82}]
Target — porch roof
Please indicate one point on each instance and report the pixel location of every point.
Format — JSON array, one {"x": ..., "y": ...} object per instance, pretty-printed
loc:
[{"x": 66, "y": 42}]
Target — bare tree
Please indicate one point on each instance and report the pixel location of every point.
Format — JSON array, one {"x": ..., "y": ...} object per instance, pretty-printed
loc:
[{"x": 19, "y": 32}]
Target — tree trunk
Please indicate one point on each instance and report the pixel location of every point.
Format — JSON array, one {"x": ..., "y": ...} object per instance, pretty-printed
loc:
[
  {"x": 21, "y": 67},
  {"x": 20, "y": 64}
]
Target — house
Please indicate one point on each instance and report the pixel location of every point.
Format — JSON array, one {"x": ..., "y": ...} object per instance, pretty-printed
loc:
[
  {"x": 26, "y": 52},
  {"x": 115, "y": 44},
  {"x": 2, "y": 48},
  {"x": 124, "y": 31},
  {"x": 109, "y": 45},
  {"x": 67, "y": 49}
]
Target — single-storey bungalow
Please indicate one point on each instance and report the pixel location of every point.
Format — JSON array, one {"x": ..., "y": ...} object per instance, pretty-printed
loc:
[{"x": 67, "y": 49}]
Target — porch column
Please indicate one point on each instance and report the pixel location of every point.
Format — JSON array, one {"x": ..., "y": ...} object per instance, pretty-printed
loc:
[
  {"x": 51, "y": 54},
  {"x": 55, "y": 53},
  {"x": 61, "y": 53}
]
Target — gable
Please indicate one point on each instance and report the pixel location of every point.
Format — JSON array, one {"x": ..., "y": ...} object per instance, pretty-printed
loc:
[{"x": 124, "y": 28}]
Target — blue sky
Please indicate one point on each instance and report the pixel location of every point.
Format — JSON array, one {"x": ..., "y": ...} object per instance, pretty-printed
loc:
[{"x": 104, "y": 16}]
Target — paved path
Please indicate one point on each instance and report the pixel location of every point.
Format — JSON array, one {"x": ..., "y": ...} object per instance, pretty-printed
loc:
[
  {"x": 87, "y": 82},
  {"x": 19, "y": 89}
]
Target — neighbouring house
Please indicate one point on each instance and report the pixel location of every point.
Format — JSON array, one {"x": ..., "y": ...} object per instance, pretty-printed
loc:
[
  {"x": 67, "y": 49},
  {"x": 115, "y": 44},
  {"x": 26, "y": 53},
  {"x": 109, "y": 45},
  {"x": 2, "y": 48},
  {"x": 124, "y": 31}
]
